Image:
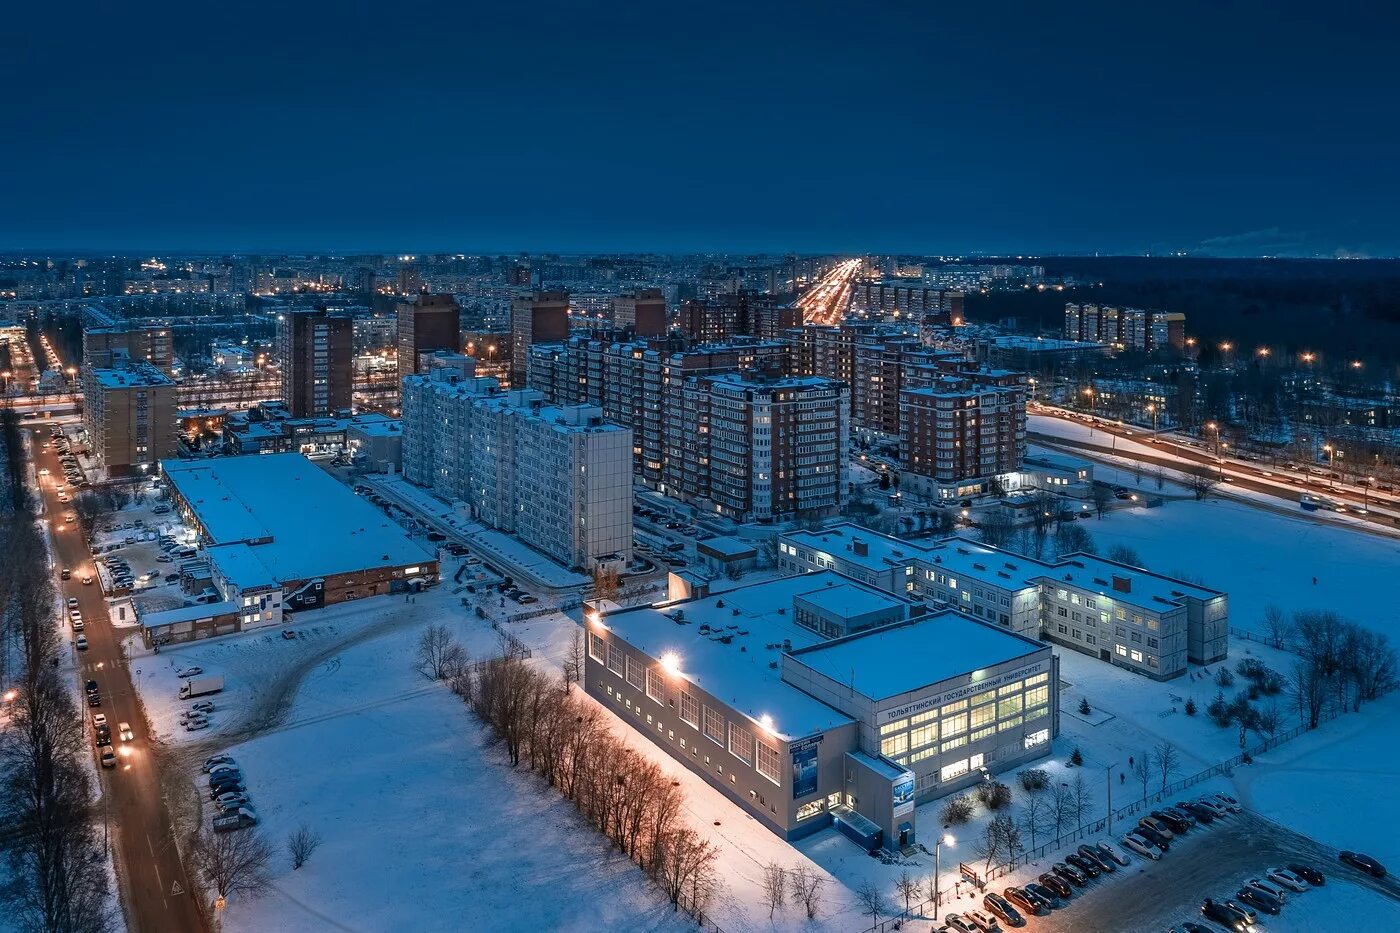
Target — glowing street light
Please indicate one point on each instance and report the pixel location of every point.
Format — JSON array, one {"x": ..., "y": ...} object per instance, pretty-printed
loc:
[{"x": 944, "y": 839}]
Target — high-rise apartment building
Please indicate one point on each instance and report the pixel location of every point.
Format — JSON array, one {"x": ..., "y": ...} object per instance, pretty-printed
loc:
[
  {"x": 755, "y": 448},
  {"x": 557, "y": 477},
  {"x": 541, "y": 317},
  {"x": 739, "y": 314},
  {"x": 1125, "y": 328},
  {"x": 118, "y": 345},
  {"x": 961, "y": 430},
  {"x": 643, "y": 311},
  {"x": 900, "y": 298},
  {"x": 316, "y": 350},
  {"x": 426, "y": 324},
  {"x": 129, "y": 416}
]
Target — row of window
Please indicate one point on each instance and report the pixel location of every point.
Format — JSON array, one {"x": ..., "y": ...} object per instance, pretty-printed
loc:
[{"x": 739, "y": 740}]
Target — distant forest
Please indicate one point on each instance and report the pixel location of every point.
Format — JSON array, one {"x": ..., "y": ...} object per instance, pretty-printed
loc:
[{"x": 1343, "y": 310}]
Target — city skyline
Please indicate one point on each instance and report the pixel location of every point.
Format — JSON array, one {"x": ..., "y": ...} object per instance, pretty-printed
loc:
[{"x": 902, "y": 130}]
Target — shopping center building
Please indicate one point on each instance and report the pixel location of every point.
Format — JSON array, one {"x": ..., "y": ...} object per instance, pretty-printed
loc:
[{"x": 817, "y": 700}]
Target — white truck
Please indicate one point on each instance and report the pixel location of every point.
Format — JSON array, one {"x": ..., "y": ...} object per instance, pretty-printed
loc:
[{"x": 199, "y": 686}]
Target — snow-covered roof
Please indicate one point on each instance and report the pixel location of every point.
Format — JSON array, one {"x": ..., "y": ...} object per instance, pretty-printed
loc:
[
  {"x": 727, "y": 546},
  {"x": 188, "y": 613},
  {"x": 895, "y": 659},
  {"x": 300, "y": 520},
  {"x": 882, "y": 551},
  {"x": 757, "y": 619}
]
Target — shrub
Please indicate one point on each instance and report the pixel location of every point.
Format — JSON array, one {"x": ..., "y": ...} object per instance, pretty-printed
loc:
[
  {"x": 957, "y": 810},
  {"x": 1076, "y": 758},
  {"x": 1224, "y": 678},
  {"x": 1219, "y": 710},
  {"x": 1084, "y": 709},
  {"x": 994, "y": 795},
  {"x": 1033, "y": 779},
  {"x": 1190, "y": 706}
]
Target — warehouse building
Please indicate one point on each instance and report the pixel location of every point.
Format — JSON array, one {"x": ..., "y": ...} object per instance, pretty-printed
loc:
[
  {"x": 281, "y": 533},
  {"x": 816, "y": 700},
  {"x": 1145, "y": 622}
]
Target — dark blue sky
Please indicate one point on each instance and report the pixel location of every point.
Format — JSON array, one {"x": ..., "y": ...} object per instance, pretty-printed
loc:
[{"x": 1239, "y": 129}]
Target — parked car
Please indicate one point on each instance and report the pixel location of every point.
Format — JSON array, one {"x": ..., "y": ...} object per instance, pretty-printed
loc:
[
  {"x": 1223, "y": 915},
  {"x": 231, "y": 800},
  {"x": 203, "y": 706},
  {"x": 1031, "y": 907},
  {"x": 124, "y": 732},
  {"x": 194, "y": 725},
  {"x": 1157, "y": 825},
  {"x": 1142, "y": 847},
  {"x": 1226, "y": 801},
  {"x": 109, "y": 757},
  {"x": 94, "y": 699},
  {"x": 1203, "y": 814},
  {"x": 81, "y": 642},
  {"x": 1253, "y": 897},
  {"x": 983, "y": 922},
  {"x": 1288, "y": 880},
  {"x": 72, "y": 602},
  {"x": 1057, "y": 885},
  {"x": 78, "y": 624},
  {"x": 192, "y": 671},
  {"x": 1107, "y": 849},
  {"x": 1269, "y": 888},
  {"x": 1154, "y": 837},
  {"x": 1088, "y": 866},
  {"x": 231, "y": 786},
  {"x": 1171, "y": 821},
  {"x": 956, "y": 923},
  {"x": 1041, "y": 893},
  {"x": 224, "y": 768},
  {"x": 1308, "y": 873},
  {"x": 1364, "y": 862},
  {"x": 1070, "y": 873},
  {"x": 1103, "y": 861},
  {"x": 213, "y": 761},
  {"x": 235, "y": 819},
  {"x": 90, "y": 686},
  {"x": 1001, "y": 908}
]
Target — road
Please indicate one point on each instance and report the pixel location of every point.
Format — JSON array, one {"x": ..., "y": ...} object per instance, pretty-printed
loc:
[
  {"x": 826, "y": 302},
  {"x": 1381, "y": 508},
  {"x": 148, "y": 863}
]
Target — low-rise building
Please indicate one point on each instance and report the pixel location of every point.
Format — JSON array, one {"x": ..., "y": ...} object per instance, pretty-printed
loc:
[
  {"x": 1145, "y": 622},
  {"x": 816, "y": 700}
]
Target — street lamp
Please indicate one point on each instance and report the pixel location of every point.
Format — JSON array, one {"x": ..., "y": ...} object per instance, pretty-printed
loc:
[
  {"x": 1108, "y": 779},
  {"x": 1152, "y": 410},
  {"x": 1327, "y": 448},
  {"x": 944, "y": 838}
]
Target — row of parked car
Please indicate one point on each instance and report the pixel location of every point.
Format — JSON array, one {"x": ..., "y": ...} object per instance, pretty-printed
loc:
[
  {"x": 233, "y": 805},
  {"x": 1054, "y": 888}
]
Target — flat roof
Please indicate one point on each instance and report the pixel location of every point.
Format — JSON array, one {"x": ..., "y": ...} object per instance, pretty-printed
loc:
[
  {"x": 1144, "y": 587},
  {"x": 190, "y": 613},
  {"x": 131, "y": 378},
  {"x": 908, "y": 656},
  {"x": 738, "y": 673},
  {"x": 301, "y": 522},
  {"x": 849, "y": 600},
  {"x": 882, "y": 551},
  {"x": 727, "y": 546}
]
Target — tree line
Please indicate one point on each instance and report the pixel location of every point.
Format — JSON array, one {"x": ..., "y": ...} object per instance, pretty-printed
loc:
[{"x": 56, "y": 879}]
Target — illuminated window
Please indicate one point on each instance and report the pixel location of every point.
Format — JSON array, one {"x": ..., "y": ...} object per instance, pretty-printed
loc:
[
  {"x": 1010, "y": 706},
  {"x": 597, "y": 648},
  {"x": 951, "y": 744},
  {"x": 634, "y": 672},
  {"x": 656, "y": 686},
  {"x": 923, "y": 735},
  {"x": 809, "y": 810},
  {"x": 895, "y": 745},
  {"x": 1037, "y": 738},
  {"x": 889, "y": 727},
  {"x": 614, "y": 659},
  {"x": 954, "y": 724},
  {"x": 1037, "y": 696},
  {"x": 954, "y": 770}
]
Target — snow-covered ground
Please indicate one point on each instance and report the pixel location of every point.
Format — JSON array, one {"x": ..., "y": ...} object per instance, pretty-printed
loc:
[{"x": 423, "y": 827}]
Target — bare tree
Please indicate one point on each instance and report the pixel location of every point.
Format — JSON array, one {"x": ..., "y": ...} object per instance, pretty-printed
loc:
[
  {"x": 1277, "y": 624},
  {"x": 807, "y": 884},
  {"x": 1166, "y": 760},
  {"x": 574, "y": 660},
  {"x": 1201, "y": 484},
  {"x": 1082, "y": 802},
  {"x": 1102, "y": 497},
  {"x": 439, "y": 656},
  {"x": 871, "y": 901},
  {"x": 907, "y": 887},
  {"x": 234, "y": 863},
  {"x": 1124, "y": 555},
  {"x": 606, "y": 583},
  {"x": 996, "y": 527},
  {"x": 774, "y": 886},
  {"x": 1142, "y": 770},
  {"x": 301, "y": 843},
  {"x": 1036, "y": 815},
  {"x": 1159, "y": 476},
  {"x": 1062, "y": 808}
]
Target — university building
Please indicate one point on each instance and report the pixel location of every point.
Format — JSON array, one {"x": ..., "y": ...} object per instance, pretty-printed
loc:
[{"x": 816, "y": 700}]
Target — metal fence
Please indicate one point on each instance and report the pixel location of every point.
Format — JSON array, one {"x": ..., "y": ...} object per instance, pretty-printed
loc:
[{"x": 1247, "y": 635}]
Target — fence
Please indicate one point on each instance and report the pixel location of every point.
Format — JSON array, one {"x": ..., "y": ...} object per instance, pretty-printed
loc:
[{"x": 1247, "y": 635}]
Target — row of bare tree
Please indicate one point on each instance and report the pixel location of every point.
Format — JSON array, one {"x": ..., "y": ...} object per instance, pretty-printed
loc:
[
  {"x": 563, "y": 737},
  {"x": 56, "y": 880},
  {"x": 1340, "y": 665}
]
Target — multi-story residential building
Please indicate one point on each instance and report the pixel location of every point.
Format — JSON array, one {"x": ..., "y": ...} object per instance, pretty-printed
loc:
[
  {"x": 741, "y": 314},
  {"x": 754, "y": 448},
  {"x": 815, "y": 700},
  {"x": 882, "y": 367},
  {"x": 900, "y": 298},
  {"x": 129, "y": 414},
  {"x": 540, "y": 317},
  {"x": 642, "y": 311},
  {"x": 1036, "y": 354},
  {"x": 426, "y": 324},
  {"x": 115, "y": 346},
  {"x": 316, "y": 350},
  {"x": 1125, "y": 328},
  {"x": 961, "y": 430},
  {"x": 558, "y": 478},
  {"x": 1145, "y": 622}
]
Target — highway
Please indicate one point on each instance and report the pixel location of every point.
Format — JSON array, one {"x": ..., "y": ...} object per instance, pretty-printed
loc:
[
  {"x": 1379, "y": 507},
  {"x": 156, "y": 892},
  {"x": 826, "y": 302}
]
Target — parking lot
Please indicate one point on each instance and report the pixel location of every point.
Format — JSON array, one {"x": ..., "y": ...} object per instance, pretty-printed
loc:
[{"x": 1214, "y": 862}]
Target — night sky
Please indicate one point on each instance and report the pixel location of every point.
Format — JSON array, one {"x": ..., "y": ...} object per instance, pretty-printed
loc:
[{"x": 1234, "y": 129}]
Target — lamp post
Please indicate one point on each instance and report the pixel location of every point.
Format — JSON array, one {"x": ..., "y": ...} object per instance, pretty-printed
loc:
[
  {"x": 1327, "y": 448},
  {"x": 937, "y": 869},
  {"x": 1108, "y": 780},
  {"x": 1152, "y": 410}
]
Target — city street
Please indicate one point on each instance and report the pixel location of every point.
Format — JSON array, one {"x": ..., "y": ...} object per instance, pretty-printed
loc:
[
  {"x": 156, "y": 893},
  {"x": 825, "y": 303}
]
